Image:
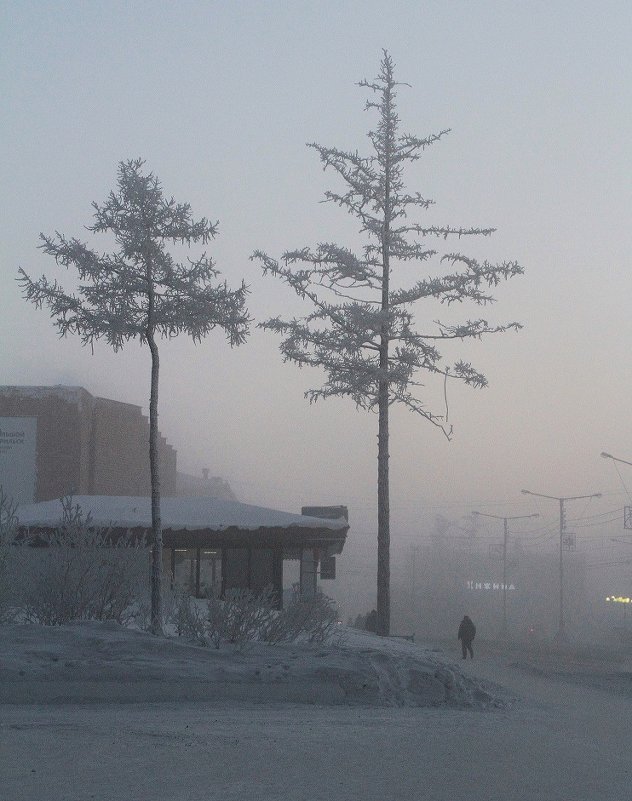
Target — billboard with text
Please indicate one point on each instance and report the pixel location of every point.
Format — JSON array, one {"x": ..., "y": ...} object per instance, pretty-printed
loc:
[{"x": 18, "y": 457}]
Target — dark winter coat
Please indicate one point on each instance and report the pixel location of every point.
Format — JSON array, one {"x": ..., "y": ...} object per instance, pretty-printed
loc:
[{"x": 467, "y": 630}]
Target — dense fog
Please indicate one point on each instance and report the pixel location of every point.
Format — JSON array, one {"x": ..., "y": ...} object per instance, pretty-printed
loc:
[{"x": 538, "y": 149}]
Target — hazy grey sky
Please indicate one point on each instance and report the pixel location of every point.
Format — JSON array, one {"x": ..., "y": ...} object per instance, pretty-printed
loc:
[{"x": 220, "y": 99}]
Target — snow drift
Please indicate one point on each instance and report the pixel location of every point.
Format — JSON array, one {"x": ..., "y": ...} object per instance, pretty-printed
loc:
[{"x": 106, "y": 662}]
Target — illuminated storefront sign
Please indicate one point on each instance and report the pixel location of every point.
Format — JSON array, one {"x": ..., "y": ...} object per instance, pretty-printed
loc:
[
  {"x": 619, "y": 599},
  {"x": 488, "y": 585}
]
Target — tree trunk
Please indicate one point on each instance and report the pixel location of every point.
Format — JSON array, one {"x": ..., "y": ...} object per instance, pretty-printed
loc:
[
  {"x": 383, "y": 495},
  {"x": 154, "y": 467},
  {"x": 383, "y": 518},
  {"x": 154, "y": 464},
  {"x": 383, "y": 492}
]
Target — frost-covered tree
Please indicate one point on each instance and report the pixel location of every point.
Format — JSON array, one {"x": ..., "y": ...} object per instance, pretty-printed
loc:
[
  {"x": 141, "y": 292},
  {"x": 361, "y": 329},
  {"x": 8, "y": 531}
]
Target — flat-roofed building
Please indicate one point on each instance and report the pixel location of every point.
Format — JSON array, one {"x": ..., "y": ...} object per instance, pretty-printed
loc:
[
  {"x": 211, "y": 545},
  {"x": 60, "y": 440}
]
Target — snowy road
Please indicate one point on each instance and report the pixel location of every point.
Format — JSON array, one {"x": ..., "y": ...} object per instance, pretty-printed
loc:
[{"x": 562, "y": 742}]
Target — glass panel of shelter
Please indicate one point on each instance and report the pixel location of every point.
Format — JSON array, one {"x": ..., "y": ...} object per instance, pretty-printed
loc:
[
  {"x": 203, "y": 572},
  {"x": 210, "y": 572},
  {"x": 261, "y": 569},
  {"x": 252, "y": 568},
  {"x": 291, "y": 574},
  {"x": 235, "y": 565},
  {"x": 185, "y": 569},
  {"x": 198, "y": 571}
]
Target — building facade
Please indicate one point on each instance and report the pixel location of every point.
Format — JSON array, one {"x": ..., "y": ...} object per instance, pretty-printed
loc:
[{"x": 60, "y": 440}]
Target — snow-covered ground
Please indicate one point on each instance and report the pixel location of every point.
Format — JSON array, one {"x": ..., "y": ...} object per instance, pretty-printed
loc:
[
  {"x": 564, "y": 737},
  {"x": 86, "y": 662}
]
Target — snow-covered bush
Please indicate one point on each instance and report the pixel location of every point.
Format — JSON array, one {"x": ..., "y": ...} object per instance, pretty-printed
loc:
[
  {"x": 8, "y": 522},
  {"x": 174, "y": 601},
  {"x": 189, "y": 619},
  {"x": 241, "y": 616},
  {"x": 79, "y": 572},
  {"x": 314, "y": 618}
]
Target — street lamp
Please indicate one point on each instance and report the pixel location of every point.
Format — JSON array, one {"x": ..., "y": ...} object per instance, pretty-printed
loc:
[
  {"x": 506, "y": 532},
  {"x": 561, "y": 634},
  {"x": 614, "y": 458},
  {"x": 627, "y": 510}
]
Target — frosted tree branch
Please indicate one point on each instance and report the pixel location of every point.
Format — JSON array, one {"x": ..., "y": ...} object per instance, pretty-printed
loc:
[{"x": 360, "y": 329}]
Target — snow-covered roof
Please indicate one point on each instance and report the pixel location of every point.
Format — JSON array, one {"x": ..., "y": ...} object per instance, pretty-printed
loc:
[{"x": 177, "y": 514}]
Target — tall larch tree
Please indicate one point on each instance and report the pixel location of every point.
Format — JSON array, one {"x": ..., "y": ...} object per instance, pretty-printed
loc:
[
  {"x": 141, "y": 292},
  {"x": 361, "y": 329}
]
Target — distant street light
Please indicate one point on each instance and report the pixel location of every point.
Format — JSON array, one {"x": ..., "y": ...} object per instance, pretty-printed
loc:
[
  {"x": 506, "y": 532},
  {"x": 614, "y": 458},
  {"x": 627, "y": 510},
  {"x": 561, "y": 634}
]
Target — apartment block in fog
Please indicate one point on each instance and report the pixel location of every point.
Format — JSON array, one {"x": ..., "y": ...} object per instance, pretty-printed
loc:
[{"x": 62, "y": 440}]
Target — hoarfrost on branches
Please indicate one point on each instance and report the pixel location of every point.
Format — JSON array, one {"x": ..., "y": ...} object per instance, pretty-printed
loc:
[
  {"x": 361, "y": 330},
  {"x": 141, "y": 292}
]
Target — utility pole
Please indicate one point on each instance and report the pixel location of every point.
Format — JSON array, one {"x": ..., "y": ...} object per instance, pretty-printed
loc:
[
  {"x": 505, "y": 520},
  {"x": 561, "y": 633}
]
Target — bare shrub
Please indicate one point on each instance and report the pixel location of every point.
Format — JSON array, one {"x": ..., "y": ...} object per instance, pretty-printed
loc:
[
  {"x": 140, "y": 610},
  {"x": 216, "y": 621},
  {"x": 243, "y": 616},
  {"x": 80, "y": 572},
  {"x": 189, "y": 619},
  {"x": 314, "y": 618},
  {"x": 8, "y": 529},
  {"x": 240, "y": 616}
]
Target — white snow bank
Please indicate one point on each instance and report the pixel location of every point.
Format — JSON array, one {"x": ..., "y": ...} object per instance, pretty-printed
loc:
[{"x": 105, "y": 662}]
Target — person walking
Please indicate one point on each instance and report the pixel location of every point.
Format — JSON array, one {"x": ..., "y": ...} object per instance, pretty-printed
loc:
[{"x": 467, "y": 632}]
